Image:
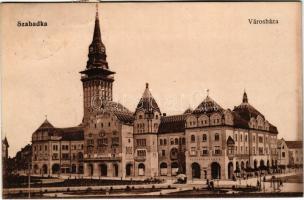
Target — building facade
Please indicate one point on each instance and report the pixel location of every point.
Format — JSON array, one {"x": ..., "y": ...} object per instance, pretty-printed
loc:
[
  {"x": 57, "y": 151},
  {"x": 112, "y": 141},
  {"x": 290, "y": 153}
]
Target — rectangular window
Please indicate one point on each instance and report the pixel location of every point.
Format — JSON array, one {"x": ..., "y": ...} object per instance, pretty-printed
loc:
[
  {"x": 141, "y": 142},
  {"x": 163, "y": 153},
  {"x": 261, "y": 150},
  {"x": 55, "y": 156},
  {"x": 217, "y": 150},
  {"x": 253, "y": 138},
  {"x": 205, "y": 151},
  {"x": 260, "y": 139},
  {"x": 65, "y": 156},
  {"x": 55, "y": 147},
  {"x": 283, "y": 154},
  {"x": 102, "y": 142},
  {"x": 235, "y": 137},
  {"x": 192, "y": 138},
  {"x": 193, "y": 151},
  {"x": 141, "y": 152},
  {"x": 115, "y": 140},
  {"x": 129, "y": 150},
  {"x": 90, "y": 142},
  {"x": 204, "y": 137},
  {"x": 216, "y": 137}
]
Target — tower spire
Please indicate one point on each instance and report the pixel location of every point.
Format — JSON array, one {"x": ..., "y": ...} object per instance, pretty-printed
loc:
[
  {"x": 96, "y": 10},
  {"x": 245, "y": 98},
  {"x": 97, "y": 51}
]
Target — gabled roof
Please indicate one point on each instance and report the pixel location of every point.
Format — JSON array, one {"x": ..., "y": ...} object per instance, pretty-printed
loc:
[
  {"x": 172, "y": 124},
  {"x": 294, "y": 144},
  {"x": 208, "y": 106},
  {"x": 230, "y": 141},
  {"x": 71, "y": 133},
  {"x": 147, "y": 102},
  {"x": 46, "y": 125}
]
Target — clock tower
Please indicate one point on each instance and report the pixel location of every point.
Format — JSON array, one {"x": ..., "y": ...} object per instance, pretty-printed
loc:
[{"x": 97, "y": 78}]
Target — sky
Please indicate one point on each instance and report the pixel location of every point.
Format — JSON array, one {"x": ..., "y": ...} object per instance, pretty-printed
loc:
[{"x": 180, "y": 49}]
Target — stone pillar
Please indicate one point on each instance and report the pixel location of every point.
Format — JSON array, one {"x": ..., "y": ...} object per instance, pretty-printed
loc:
[
  {"x": 96, "y": 170},
  {"x": 85, "y": 169}
]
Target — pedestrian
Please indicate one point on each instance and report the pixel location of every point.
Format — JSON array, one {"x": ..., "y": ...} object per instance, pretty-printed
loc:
[{"x": 212, "y": 185}]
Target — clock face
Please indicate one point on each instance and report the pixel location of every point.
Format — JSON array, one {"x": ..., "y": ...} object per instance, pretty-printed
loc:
[{"x": 96, "y": 102}]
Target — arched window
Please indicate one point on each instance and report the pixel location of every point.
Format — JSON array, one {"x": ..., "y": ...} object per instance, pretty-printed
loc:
[
  {"x": 176, "y": 141},
  {"x": 165, "y": 141},
  {"x": 192, "y": 138},
  {"x": 161, "y": 142},
  {"x": 141, "y": 169},
  {"x": 183, "y": 141},
  {"x": 216, "y": 137},
  {"x": 172, "y": 141}
]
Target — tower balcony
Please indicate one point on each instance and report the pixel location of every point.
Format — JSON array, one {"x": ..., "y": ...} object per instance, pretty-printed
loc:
[{"x": 140, "y": 158}]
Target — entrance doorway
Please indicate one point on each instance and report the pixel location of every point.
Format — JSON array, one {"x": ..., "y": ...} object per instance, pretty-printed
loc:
[{"x": 215, "y": 170}]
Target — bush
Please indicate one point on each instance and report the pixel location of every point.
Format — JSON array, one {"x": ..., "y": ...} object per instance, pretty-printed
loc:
[
  {"x": 133, "y": 188},
  {"x": 128, "y": 188}
]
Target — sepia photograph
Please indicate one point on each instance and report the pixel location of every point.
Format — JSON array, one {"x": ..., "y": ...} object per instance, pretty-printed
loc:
[{"x": 151, "y": 100}]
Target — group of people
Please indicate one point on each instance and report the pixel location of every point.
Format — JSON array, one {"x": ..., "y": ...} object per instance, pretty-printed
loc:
[{"x": 210, "y": 184}]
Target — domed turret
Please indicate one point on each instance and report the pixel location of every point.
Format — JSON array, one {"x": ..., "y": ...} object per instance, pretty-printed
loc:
[{"x": 245, "y": 110}]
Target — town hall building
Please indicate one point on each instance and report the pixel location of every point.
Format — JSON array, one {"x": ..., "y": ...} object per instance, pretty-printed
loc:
[{"x": 112, "y": 141}]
